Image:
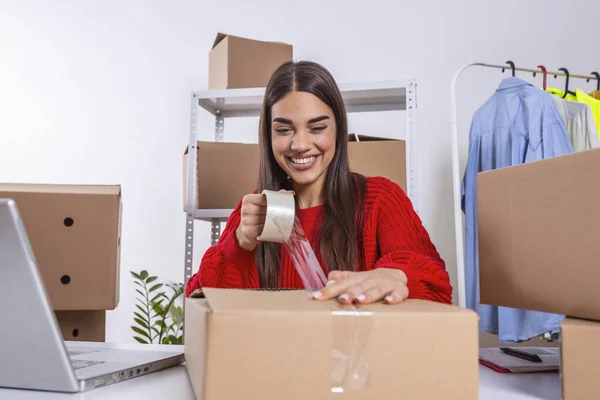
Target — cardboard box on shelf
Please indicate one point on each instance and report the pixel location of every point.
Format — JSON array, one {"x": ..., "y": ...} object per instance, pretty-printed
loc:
[
  {"x": 538, "y": 235},
  {"x": 375, "y": 156},
  {"x": 84, "y": 326},
  {"x": 75, "y": 234},
  {"x": 302, "y": 348},
  {"x": 237, "y": 62},
  {"x": 228, "y": 171},
  {"x": 580, "y": 355},
  {"x": 225, "y": 173}
]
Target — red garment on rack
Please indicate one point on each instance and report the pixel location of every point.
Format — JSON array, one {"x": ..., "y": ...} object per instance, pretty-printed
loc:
[{"x": 393, "y": 237}]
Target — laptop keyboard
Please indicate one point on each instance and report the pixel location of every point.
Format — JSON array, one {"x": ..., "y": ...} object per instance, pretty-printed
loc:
[{"x": 78, "y": 364}]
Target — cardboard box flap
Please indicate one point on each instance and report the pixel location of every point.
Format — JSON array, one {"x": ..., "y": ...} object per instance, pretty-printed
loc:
[
  {"x": 235, "y": 301},
  {"x": 219, "y": 39},
  {"x": 110, "y": 190},
  {"x": 221, "y": 36},
  {"x": 355, "y": 137}
]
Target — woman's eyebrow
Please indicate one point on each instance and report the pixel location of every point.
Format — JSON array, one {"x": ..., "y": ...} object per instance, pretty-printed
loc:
[
  {"x": 318, "y": 119},
  {"x": 311, "y": 121}
]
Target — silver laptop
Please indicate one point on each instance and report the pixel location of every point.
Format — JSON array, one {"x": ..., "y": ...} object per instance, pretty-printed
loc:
[{"x": 33, "y": 353}]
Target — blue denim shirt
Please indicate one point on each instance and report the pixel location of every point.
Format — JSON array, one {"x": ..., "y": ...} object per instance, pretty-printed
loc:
[{"x": 518, "y": 124}]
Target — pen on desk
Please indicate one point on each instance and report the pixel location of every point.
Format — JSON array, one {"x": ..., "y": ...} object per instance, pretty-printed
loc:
[{"x": 521, "y": 354}]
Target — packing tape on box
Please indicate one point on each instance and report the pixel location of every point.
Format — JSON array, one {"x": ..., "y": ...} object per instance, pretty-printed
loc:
[
  {"x": 283, "y": 226},
  {"x": 350, "y": 368}
]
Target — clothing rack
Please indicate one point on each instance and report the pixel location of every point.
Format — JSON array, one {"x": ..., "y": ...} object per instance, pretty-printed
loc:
[{"x": 456, "y": 178}]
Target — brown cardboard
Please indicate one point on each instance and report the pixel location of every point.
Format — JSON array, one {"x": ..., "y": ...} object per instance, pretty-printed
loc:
[
  {"x": 374, "y": 156},
  {"x": 225, "y": 173},
  {"x": 228, "y": 171},
  {"x": 279, "y": 345},
  {"x": 84, "y": 326},
  {"x": 236, "y": 62},
  {"x": 580, "y": 359},
  {"x": 538, "y": 235},
  {"x": 75, "y": 235}
]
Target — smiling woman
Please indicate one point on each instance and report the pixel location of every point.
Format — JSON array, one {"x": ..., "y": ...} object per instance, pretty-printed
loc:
[{"x": 364, "y": 231}]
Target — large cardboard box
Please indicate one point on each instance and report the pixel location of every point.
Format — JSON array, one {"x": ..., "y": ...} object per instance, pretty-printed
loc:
[
  {"x": 228, "y": 171},
  {"x": 283, "y": 345},
  {"x": 82, "y": 326},
  {"x": 236, "y": 62},
  {"x": 580, "y": 359},
  {"x": 539, "y": 235},
  {"x": 75, "y": 234}
]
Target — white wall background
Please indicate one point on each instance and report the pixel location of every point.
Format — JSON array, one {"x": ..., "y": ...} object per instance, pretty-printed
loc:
[{"x": 98, "y": 92}]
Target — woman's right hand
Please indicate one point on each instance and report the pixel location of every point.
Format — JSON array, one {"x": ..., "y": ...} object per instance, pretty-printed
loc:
[{"x": 252, "y": 220}]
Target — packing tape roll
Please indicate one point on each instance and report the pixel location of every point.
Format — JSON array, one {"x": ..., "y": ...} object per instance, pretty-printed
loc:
[{"x": 280, "y": 218}]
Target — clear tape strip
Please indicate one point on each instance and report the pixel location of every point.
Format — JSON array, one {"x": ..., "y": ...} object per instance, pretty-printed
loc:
[
  {"x": 350, "y": 366},
  {"x": 351, "y": 326}
]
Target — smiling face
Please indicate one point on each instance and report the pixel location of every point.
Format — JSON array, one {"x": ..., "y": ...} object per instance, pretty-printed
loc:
[{"x": 303, "y": 136}]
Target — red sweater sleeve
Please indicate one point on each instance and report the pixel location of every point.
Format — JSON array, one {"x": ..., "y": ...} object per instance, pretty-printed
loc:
[
  {"x": 226, "y": 264},
  {"x": 405, "y": 244}
]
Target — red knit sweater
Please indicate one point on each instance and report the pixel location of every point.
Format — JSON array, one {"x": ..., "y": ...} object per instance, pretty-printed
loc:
[{"x": 393, "y": 237}]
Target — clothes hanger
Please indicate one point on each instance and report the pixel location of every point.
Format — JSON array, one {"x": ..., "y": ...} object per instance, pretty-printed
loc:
[
  {"x": 596, "y": 93},
  {"x": 567, "y": 91},
  {"x": 545, "y": 74},
  {"x": 512, "y": 67}
]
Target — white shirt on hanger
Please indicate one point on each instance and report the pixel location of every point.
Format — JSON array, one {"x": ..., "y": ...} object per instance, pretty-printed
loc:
[{"x": 580, "y": 124}]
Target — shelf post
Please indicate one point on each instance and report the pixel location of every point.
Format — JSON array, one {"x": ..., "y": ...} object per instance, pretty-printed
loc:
[
  {"x": 219, "y": 129},
  {"x": 191, "y": 191},
  {"x": 411, "y": 151}
]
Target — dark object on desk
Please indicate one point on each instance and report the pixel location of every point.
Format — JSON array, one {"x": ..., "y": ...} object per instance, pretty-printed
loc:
[{"x": 521, "y": 354}]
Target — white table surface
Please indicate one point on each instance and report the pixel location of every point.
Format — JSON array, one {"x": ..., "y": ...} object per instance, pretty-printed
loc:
[{"x": 174, "y": 383}]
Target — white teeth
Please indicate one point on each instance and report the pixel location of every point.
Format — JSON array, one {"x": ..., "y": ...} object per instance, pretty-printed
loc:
[{"x": 303, "y": 160}]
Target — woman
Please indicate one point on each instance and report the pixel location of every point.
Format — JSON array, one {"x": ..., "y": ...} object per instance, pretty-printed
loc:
[{"x": 366, "y": 235}]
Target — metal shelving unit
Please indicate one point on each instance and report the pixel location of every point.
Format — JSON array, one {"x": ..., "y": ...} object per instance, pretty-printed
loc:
[{"x": 398, "y": 95}]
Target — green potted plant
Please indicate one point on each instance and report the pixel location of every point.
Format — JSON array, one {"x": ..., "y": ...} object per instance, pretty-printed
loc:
[{"x": 158, "y": 318}]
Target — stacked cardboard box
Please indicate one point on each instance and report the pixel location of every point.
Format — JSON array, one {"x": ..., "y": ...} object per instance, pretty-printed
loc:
[
  {"x": 75, "y": 234},
  {"x": 236, "y": 62},
  {"x": 539, "y": 229},
  {"x": 237, "y": 175}
]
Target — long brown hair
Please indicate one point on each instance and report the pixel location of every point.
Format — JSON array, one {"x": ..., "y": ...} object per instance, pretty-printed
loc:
[{"x": 339, "y": 231}]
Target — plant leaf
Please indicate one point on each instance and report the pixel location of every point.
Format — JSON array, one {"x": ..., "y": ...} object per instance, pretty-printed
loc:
[
  {"x": 139, "y": 339},
  {"x": 155, "y": 287},
  {"x": 151, "y": 279},
  {"x": 141, "y": 332},
  {"x": 165, "y": 340},
  {"x": 141, "y": 309},
  {"x": 159, "y": 310},
  {"x": 141, "y": 323},
  {"x": 140, "y": 292},
  {"x": 155, "y": 329},
  {"x": 140, "y": 316},
  {"x": 175, "y": 316},
  {"x": 144, "y": 274},
  {"x": 137, "y": 276},
  {"x": 153, "y": 300},
  {"x": 137, "y": 283}
]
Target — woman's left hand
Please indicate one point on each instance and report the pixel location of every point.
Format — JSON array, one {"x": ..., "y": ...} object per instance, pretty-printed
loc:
[{"x": 365, "y": 287}]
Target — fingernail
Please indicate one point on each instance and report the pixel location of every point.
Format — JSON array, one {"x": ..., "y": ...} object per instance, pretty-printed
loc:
[
  {"x": 389, "y": 299},
  {"x": 330, "y": 283},
  {"x": 361, "y": 297},
  {"x": 344, "y": 297},
  {"x": 316, "y": 295}
]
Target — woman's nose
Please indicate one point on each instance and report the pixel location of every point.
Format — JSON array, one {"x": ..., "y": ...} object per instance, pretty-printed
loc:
[{"x": 300, "y": 142}]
